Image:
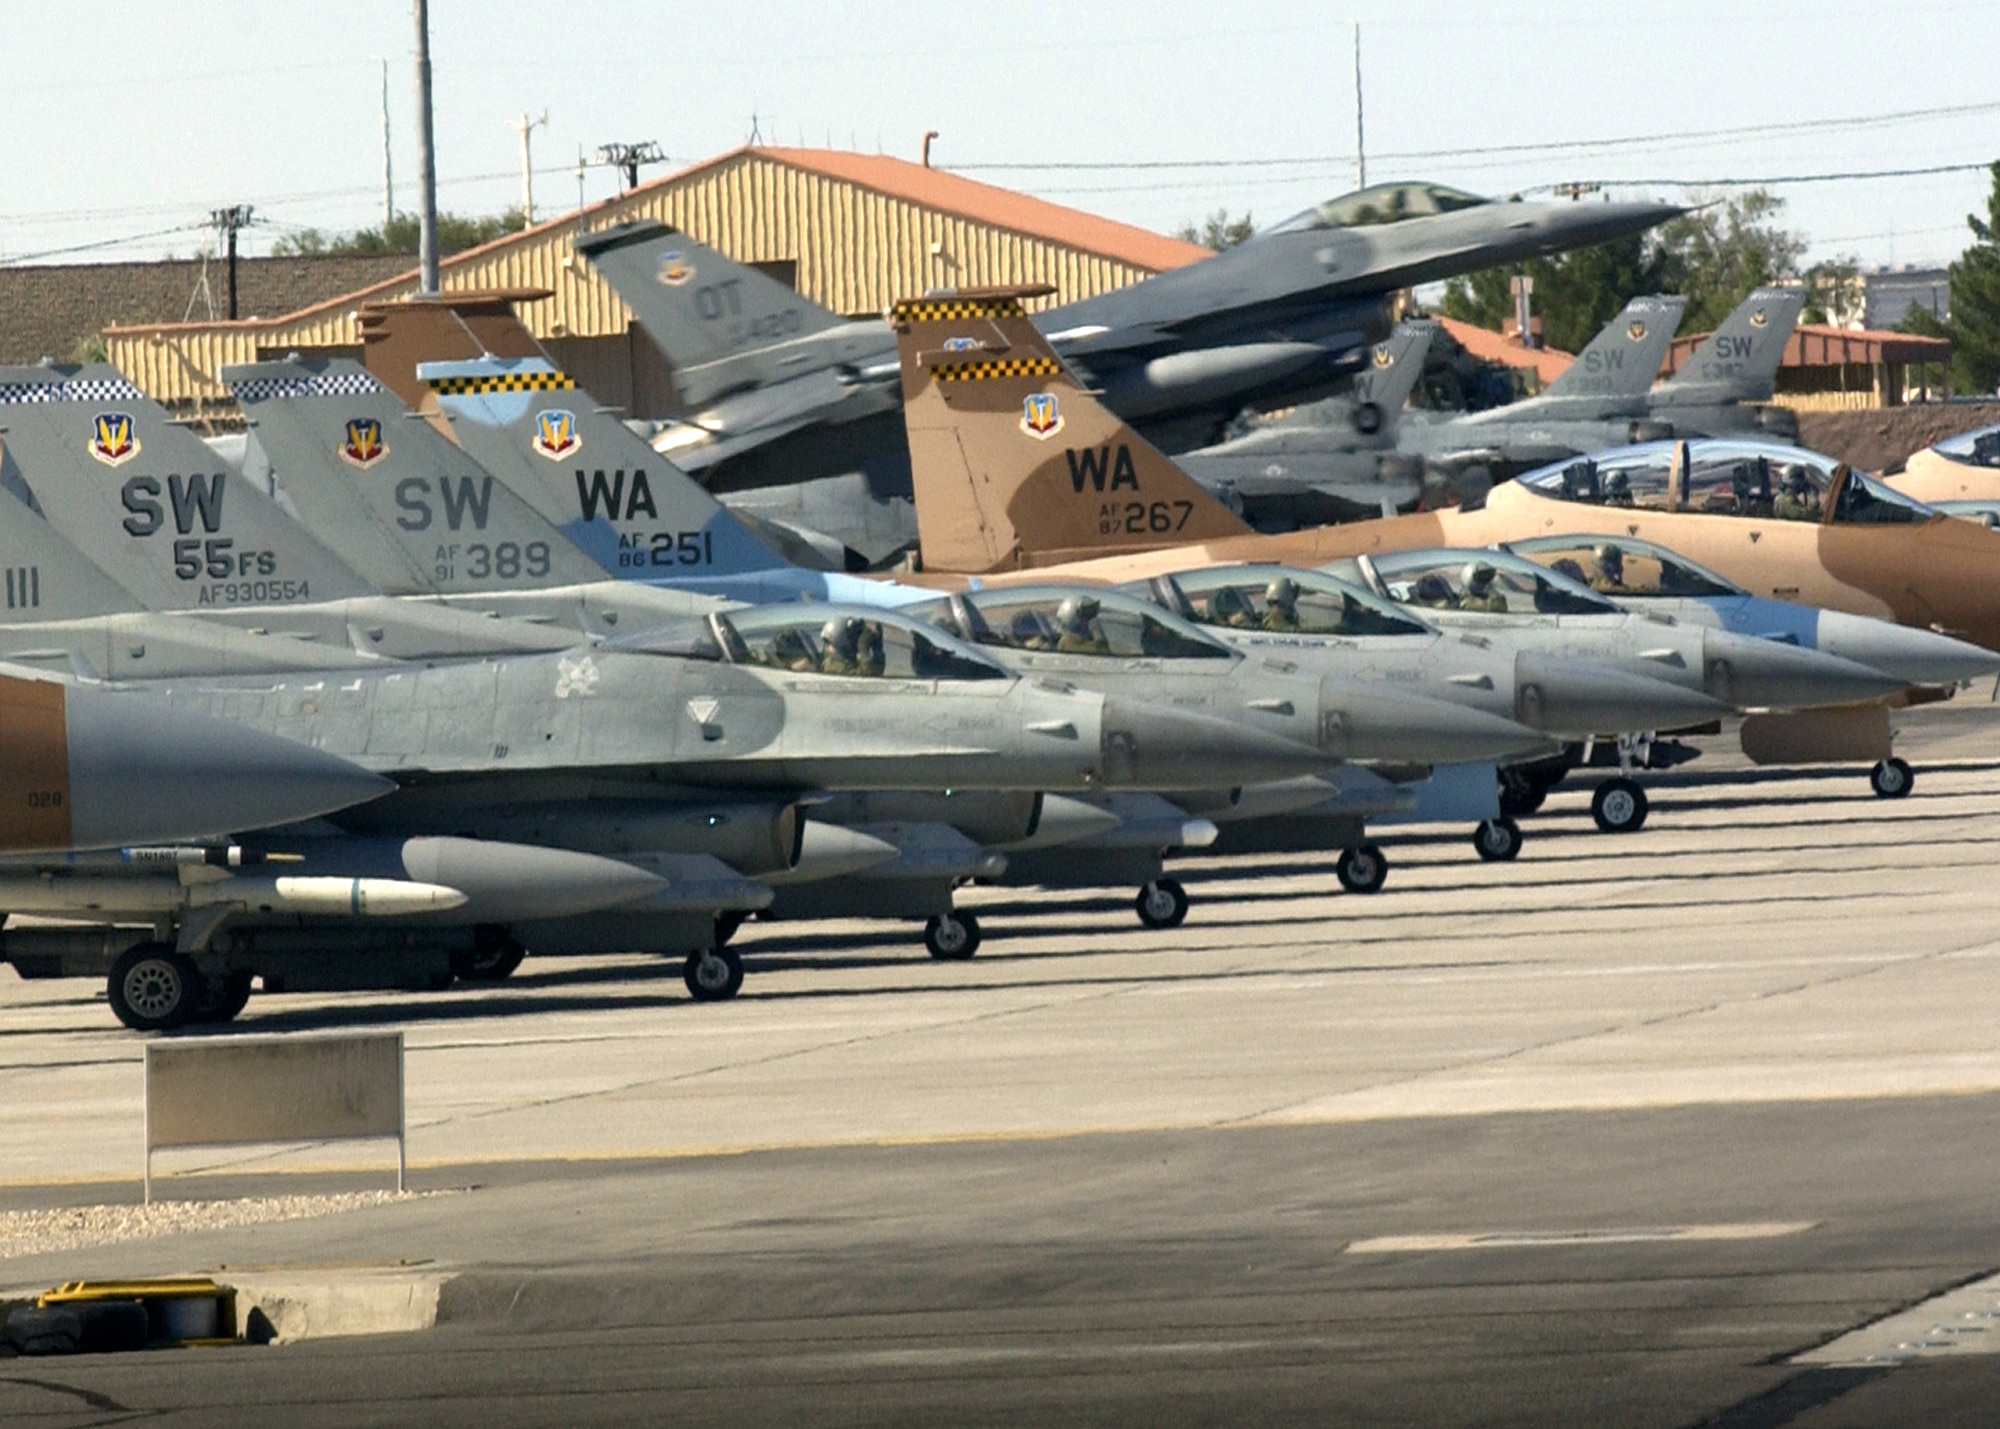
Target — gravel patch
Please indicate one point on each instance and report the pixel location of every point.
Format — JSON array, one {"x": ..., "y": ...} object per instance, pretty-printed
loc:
[{"x": 75, "y": 1227}]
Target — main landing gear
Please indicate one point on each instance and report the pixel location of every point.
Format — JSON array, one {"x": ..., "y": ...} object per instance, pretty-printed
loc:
[
  {"x": 1892, "y": 779},
  {"x": 1364, "y": 868}
]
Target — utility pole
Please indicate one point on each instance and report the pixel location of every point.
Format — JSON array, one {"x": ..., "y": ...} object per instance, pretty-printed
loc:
[
  {"x": 427, "y": 202},
  {"x": 525, "y": 127},
  {"x": 1360, "y": 148},
  {"x": 229, "y": 220},
  {"x": 628, "y": 157},
  {"x": 581, "y": 166},
  {"x": 388, "y": 165}
]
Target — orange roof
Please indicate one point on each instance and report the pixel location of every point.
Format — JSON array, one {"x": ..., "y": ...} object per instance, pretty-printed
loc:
[
  {"x": 934, "y": 188},
  {"x": 1817, "y": 345},
  {"x": 1490, "y": 346},
  {"x": 983, "y": 203}
]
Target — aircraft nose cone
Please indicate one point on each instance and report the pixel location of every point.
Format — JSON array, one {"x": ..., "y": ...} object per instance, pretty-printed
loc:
[
  {"x": 1918, "y": 657},
  {"x": 1574, "y": 699},
  {"x": 1585, "y": 223},
  {"x": 1361, "y": 722},
  {"x": 1763, "y": 674},
  {"x": 1152, "y": 746},
  {"x": 142, "y": 771}
]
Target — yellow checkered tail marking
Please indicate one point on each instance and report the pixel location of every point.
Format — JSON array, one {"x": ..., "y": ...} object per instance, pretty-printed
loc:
[
  {"x": 944, "y": 310},
  {"x": 997, "y": 368},
  {"x": 502, "y": 382}
]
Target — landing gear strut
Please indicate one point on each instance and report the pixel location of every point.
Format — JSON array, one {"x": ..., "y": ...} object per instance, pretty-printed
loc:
[
  {"x": 1163, "y": 903},
  {"x": 1892, "y": 779},
  {"x": 952, "y": 937},
  {"x": 1362, "y": 869}
]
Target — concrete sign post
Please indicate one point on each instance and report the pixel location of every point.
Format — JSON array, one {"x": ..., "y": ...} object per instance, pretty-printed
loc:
[{"x": 231, "y": 1091}]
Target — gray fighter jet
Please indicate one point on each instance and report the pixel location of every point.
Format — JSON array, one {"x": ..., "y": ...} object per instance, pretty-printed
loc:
[
  {"x": 637, "y": 755},
  {"x": 782, "y": 391}
]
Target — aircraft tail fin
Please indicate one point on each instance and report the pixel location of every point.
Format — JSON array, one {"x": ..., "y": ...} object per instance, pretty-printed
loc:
[
  {"x": 1014, "y": 463},
  {"x": 1624, "y": 358},
  {"x": 723, "y": 325},
  {"x": 629, "y": 508},
  {"x": 1394, "y": 366},
  {"x": 148, "y": 502},
  {"x": 398, "y": 501},
  {"x": 44, "y": 577},
  {"x": 1739, "y": 360}
]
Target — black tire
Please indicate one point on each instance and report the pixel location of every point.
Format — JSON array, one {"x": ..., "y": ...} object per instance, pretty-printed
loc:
[
  {"x": 726, "y": 926},
  {"x": 1163, "y": 903},
  {"x": 1892, "y": 779},
  {"x": 153, "y": 988},
  {"x": 1497, "y": 840},
  {"x": 1362, "y": 869},
  {"x": 226, "y": 997},
  {"x": 713, "y": 976},
  {"x": 1619, "y": 806},
  {"x": 489, "y": 960},
  {"x": 952, "y": 937}
]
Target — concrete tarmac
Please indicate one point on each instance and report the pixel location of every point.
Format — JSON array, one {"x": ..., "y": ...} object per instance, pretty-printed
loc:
[{"x": 1605, "y": 1135}]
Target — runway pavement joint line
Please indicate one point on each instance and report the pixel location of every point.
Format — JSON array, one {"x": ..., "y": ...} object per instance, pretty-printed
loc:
[
  {"x": 1961, "y": 1321},
  {"x": 1616, "y": 1235}
]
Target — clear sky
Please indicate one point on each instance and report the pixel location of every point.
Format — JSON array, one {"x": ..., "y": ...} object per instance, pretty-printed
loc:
[{"x": 130, "y": 121}]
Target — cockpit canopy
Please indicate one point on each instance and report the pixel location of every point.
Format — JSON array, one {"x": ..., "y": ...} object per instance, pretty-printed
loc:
[
  {"x": 1070, "y": 620},
  {"x": 1764, "y": 480},
  {"x": 1279, "y": 598},
  {"x": 1382, "y": 203},
  {"x": 1486, "y": 582},
  {"x": 1625, "y": 567},
  {"x": 847, "y": 640},
  {"x": 1979, "y": 447}
]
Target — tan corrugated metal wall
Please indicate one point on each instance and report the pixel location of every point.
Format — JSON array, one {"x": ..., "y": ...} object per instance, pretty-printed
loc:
[{"x": 857, "y": 251}]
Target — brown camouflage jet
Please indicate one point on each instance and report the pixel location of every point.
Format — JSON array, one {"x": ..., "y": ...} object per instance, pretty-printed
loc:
[{"x": 1029, "y": 472}]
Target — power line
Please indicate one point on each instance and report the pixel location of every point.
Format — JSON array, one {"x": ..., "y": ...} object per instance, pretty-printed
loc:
[
  {"x": 101, "y": 244},
  {"x": 1555, "y": 146}
]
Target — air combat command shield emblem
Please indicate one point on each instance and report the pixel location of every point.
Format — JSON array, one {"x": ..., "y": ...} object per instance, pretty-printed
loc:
[
  {"x": 555, "y": 434},
  {"x": 111, "y": 439},
  {"x": 675, "y": 268},
  {"x": 364, "y": 445},
  {"x": 1041, "y": 418}
]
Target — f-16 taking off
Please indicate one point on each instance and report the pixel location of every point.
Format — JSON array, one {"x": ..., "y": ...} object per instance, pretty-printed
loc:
[{"x": 782, "y": 391}]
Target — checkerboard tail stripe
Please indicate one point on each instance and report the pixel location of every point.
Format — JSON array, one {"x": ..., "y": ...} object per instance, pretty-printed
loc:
[
  {"x": 502, "y": 382},
  {"x": 997, "y": 368},
  {"x": 345, "y": 384},
  {"x": 95, "y": 391},
  {"x": 936, "y": 310}
]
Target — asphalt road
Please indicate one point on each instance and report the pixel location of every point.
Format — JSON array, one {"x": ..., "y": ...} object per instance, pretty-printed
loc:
[{"x": 1605, "y": 1136}]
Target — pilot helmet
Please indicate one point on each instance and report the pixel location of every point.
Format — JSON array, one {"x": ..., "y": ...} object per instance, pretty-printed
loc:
[
  {"x": 1431, "y": 589},
  {"x": 1568, "y": 569},
  {"x": 1611, "y": 561},
  {"x": 1076, "y": 612},
  {"x": 1478, "y": 578},
  {"x": 1282, "y": 592},
  {"x": 1796, "y": 483},
  {"x": 1227, "y": 603},
  {"x": 841, "y": 634},
  {"x": 1618, "y": 484}
]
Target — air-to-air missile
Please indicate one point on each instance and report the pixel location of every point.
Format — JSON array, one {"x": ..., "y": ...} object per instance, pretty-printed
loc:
[
  {"x": 85, "y": 768},
  {"x": 743, "y": 709}
]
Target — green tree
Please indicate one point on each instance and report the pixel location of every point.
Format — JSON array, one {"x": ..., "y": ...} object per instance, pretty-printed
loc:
[
  {"x": 456, "y": 233},
  {"x": 1714, "y": 255},
  {"x": 1975, "y": 301},
  {"x": 1218, "y": 230}
]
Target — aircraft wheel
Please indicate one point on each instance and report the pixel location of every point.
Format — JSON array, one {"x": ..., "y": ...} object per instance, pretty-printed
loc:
[
  {"x": 726, "y": 926},
  {"x": 1892, "y": 779},
  {"x": 490, "y": 960},
  {"x": 1362, "y": 869},
  {"x": 1497, "y": 840},
  {"x": 713, "y": 975},
  {"x": 1619, "y": 806},
  {"x": 152, "y": 987},
  {"x": 224, "y": 998},
  {"x": 952, "y": 937},
  {"x": 1163, "y": 903}
]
